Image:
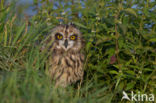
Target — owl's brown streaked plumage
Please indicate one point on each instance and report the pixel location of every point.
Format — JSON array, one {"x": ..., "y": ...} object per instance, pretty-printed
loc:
[{"x": 66, "y": 59}]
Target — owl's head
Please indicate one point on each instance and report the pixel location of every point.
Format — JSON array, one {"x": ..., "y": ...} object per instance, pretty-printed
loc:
[{"x": 66, "y": 38}]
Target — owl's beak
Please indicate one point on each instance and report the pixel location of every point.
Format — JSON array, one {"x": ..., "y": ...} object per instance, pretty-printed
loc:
[{"x": 66, "y": 43}]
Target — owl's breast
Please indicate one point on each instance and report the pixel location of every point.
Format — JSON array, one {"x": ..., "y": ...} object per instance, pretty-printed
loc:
[{"x": 66, "y": 69}]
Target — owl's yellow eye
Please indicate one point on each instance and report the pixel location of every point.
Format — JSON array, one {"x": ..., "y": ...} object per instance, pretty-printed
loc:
[
  {"x": 73, "y": 37},
  {"x": 59, "y": 36}
]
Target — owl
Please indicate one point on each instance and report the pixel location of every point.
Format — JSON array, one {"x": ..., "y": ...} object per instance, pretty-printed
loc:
[{"x": 66, "y": 60}]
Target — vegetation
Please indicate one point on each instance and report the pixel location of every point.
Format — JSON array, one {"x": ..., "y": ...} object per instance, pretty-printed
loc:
[{"x": 120, "y": 50}]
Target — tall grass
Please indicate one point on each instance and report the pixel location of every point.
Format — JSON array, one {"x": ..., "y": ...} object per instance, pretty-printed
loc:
[{"x": 120, "y": 51}]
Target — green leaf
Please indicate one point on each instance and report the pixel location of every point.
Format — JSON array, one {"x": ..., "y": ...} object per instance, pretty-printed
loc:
[
  {"x": 130, "y": 85},
  {"x": 153, "y": 40},
  {"x": 80, "y": 25},
  {"x": 131, "y": 11},
  {"x": 18, "y": 34},
  {"x": 108, "y": 98},
  {"x": 130, "y": 72},
  {"x": 113, "y": 72}
]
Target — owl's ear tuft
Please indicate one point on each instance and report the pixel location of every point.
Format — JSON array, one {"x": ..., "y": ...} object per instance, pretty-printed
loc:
[{"x": 72, "y": 24}]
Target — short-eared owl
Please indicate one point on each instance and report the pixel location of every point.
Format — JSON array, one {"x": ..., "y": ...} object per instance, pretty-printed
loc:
[{"x": 66, "y": 59}]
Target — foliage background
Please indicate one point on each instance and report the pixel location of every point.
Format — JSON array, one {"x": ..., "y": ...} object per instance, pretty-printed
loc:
[{"x": 120, "y": 50}]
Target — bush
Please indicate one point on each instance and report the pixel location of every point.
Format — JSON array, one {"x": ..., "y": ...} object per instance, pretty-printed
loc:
[{"x": 120, "y": 50}]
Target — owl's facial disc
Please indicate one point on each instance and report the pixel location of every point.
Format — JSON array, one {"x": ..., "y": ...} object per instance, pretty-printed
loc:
[
  {"x": 67, "y": 38},
  {"x": 65, "y": 42}
]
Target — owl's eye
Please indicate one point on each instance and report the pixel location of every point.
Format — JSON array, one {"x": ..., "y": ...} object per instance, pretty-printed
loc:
[
  {"x": 58, "y": 36},
  {"x": 73, "y": 37}
]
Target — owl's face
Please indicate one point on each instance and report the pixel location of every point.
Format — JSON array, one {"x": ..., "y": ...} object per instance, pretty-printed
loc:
[{"x": 67, "y": 37}]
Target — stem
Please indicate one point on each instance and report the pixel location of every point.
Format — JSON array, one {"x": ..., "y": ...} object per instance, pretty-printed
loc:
[{"x": 116, "y": 41}]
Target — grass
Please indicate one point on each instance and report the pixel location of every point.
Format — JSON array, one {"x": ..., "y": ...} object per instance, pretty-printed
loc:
[{"x": 119, "y": 54}]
